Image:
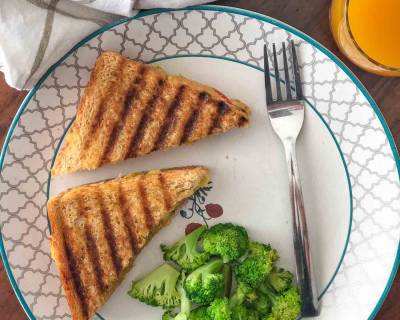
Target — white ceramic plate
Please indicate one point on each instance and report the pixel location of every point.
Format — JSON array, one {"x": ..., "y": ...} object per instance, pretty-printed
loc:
[{"x": 348, "y": 162}]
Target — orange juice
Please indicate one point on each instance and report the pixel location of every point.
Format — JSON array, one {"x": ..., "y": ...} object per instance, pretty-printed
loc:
[
  {"x": 368, "y": 33},
  {"x": 375, "y": 26}
]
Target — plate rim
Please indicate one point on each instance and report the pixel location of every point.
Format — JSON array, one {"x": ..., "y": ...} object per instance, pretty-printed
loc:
[{"x": 226, "y": 9}]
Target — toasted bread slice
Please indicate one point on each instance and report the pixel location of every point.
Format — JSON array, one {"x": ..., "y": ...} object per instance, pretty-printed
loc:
[
  {"x": 99, "y": 229},
  {"x": 130, "y": 109}
]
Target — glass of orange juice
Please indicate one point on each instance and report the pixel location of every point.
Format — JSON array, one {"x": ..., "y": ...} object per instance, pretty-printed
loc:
[{"x": 368, "y": 33}]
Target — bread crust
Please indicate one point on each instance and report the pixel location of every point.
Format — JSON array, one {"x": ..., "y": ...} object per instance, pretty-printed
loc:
[
  {"x": 130, "y": 109},
  {"x": 98, "y": 229}
]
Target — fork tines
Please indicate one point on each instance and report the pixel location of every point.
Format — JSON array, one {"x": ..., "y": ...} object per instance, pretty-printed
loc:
[{"x": 298, "y": 94}]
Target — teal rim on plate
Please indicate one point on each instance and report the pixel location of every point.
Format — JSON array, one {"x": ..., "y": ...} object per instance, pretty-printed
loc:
[{"x": 218, "y": 9}]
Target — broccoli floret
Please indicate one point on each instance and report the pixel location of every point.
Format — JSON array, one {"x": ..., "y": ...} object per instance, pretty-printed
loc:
[
  {"x": 262, "y": 304},
  {"x": 285, "y": 306},
  {"x": 242, "y": 313},
  {"x": 185, "y": 253},
  {"x": 247, "y": 296},
  {"x": 243, "y": 294},
  {"x": 256, "y": 266},
  {"x": 158, "y": 288},
  {"x": 220, "y": 310},
  {"x": 199, "y": 314},
  {"x": 206, "y": 283},
  {"x": 226, "y": 240},
  {"x": 280, "y": 279}
]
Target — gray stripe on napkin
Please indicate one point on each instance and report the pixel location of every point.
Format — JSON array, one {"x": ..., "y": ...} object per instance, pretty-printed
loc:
[
  {"x": 44, "y": 41},
  {"x": 77, "y": 11},
  {"x": 68, "y": 9},
  {"x": 85, "y": 1}
]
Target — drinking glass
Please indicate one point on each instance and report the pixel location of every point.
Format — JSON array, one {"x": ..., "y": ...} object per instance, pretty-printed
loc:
[{"x": 368, "y": 33}]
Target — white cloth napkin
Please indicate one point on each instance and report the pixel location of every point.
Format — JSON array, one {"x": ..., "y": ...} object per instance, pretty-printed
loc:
[{"x": 34, "y": 34}]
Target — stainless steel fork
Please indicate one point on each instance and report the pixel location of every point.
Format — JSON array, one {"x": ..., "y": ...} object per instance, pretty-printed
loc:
[{"x": 287, "y": 116}]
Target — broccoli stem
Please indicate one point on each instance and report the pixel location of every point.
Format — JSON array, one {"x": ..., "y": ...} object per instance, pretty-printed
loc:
[
  {"x": 239, "y": 295},
  {"x": 186, "y": 305},
  {"x": 268, "y": 290},
  {"x": 236, "y": 300},
  {"x": 227, "y": 271}
]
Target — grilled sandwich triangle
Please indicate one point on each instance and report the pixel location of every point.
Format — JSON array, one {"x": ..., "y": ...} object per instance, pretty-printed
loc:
[
  {"x": 130, "y": 109},
  {"x": 99, "y": 229}
]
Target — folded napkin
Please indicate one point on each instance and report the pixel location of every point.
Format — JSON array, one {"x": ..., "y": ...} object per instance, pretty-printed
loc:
[{"x": 34, "y": 34}]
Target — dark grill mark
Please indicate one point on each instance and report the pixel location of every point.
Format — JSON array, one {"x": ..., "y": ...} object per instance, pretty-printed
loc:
[
  {"x": 242, "y": 121},
  {"x": 128, "y": 221},
  {"x": 165, "y": 192},
  {"x": 98, "y": 117},
  {"x": 145, "y": 205},
  {"x": 129, "y": 98},
  {"x": 222, "y": 108},
  {"x": 144, "y": 121},
  {"x": 76, "y": 279},
  {"x": 93, "y": 252},
  {"x": 110, "y": 237},
  {"x": 95, "y": 258},
  {"x": 169, "y": 117},
  {"x": 190, "y": 125},
  {"x": 203, "y": 96}
]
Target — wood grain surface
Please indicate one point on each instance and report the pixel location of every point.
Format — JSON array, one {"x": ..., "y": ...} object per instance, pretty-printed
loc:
[{"x": 311, "y": 17}]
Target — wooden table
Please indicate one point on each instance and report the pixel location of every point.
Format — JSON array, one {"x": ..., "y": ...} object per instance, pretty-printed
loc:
[{"x": 310, "y": 16}]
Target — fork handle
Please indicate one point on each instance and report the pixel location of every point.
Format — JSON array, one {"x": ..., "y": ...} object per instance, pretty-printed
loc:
[{"x": 304, "y": 268}]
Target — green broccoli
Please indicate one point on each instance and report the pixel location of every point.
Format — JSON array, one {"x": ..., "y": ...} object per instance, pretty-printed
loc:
[
  {"x": 226, "y": 240},
  {"x": 249, "y": 297},
  {"x": 186, "y": 305},
  {"x": 243, "y": 294},
  {"x": 206, "y": 283},
  {"x": 242, "y": 313},
  {"x": 285, "y": 306},
  {"x": 185, "y": 252},
  {"x": 169, "y": 316},
  {"x": 258, "y": 263},
  {"x": 199, "y": 313},
  {"x": 280, "y": 279},
  {"x": 219, "y": 309},
  {"x": 263, "y": 291},
  {"x": 158, "y": 288},
  {"x": 262, "y": 304}
]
